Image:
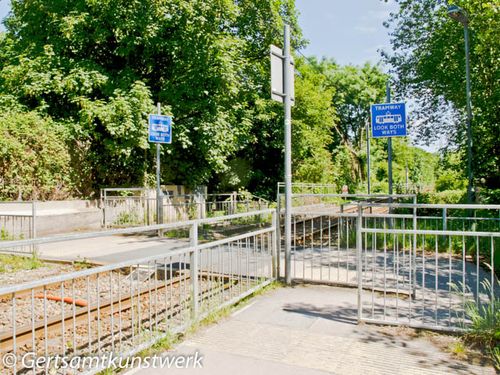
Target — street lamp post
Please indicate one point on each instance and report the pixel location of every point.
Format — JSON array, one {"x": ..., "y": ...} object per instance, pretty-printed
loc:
[{"x": 458, "y": 14}]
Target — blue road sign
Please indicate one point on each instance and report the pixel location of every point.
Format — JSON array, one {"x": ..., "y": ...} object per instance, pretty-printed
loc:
[
  {"x": 160, "y": 129},
  {"x": 388, "y": 120}
]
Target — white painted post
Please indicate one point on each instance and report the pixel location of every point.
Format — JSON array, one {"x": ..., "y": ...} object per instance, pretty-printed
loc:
[
  {"x": 194, "y": 268},
  {"x": 359, "y": 254}
]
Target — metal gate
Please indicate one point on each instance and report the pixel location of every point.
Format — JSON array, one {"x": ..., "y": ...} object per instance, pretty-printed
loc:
[{"x": 413, "y": 264}]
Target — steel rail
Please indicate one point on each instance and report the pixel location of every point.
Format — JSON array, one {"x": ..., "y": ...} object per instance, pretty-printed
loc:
[
  {"x": 431, "y": 232},
  {"x": 24, "y": 334}
]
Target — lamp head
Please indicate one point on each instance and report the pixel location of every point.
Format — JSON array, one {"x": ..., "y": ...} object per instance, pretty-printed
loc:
[{"x": 458, "y": 14}]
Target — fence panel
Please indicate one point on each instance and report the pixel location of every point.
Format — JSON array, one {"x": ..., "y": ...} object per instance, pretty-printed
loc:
[
  {"x": 123, "y": 308},
  {"x": 412, "y": 272},
  {"x": 137, "y": 207},
  {"x": 323, "y": 243},
  {"x": 18, "y": 222}
]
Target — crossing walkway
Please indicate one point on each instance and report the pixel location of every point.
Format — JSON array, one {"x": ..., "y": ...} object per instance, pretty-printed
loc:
[{"x": 312, "y": 330}]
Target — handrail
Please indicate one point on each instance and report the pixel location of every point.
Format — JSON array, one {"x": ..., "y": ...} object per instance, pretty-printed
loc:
[
  {"x": 147, "y": 228},
  {"x": 127, "y": 263}
]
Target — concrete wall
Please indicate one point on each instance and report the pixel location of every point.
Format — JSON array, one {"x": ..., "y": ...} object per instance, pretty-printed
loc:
[
  {"x": 49, "y": 205},
  {"x": 52, "y": 217},
  {"x": 68, "y": 222}
]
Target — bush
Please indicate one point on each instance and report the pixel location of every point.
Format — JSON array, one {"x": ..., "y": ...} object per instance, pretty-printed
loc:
[
  {"x": 442, "y": 197},
  {"x": 34, "y": 158},
  {"x": 491, "y": 196}
]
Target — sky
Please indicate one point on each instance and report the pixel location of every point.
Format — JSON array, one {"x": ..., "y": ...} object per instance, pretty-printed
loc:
[
  {"x": 4, "y": 9},
  {"x": 350, "y": 31}
]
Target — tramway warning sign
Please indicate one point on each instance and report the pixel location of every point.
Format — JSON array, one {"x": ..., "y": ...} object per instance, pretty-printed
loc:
[
  {"x": 388, "y": 120},
  {"x": 160, "y": 129}
]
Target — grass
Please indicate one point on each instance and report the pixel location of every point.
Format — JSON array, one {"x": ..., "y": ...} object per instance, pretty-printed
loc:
[
  {"x": 459, "y": 350},
  {"x": 13, "y": 263},
  {"x": 82, "y": 264},
  {"x": 484, "y": 331}
]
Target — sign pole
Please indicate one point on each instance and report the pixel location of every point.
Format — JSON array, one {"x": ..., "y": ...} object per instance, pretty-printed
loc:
[
  {"x": 389, "y": 142},
  {"x": 368, "y": 157},
  {"x": 288, "y": 154},
  {"x": 159, "y": 195}
]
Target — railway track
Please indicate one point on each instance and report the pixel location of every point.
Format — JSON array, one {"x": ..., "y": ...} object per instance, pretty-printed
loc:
[{"x": 28, "y": 333}]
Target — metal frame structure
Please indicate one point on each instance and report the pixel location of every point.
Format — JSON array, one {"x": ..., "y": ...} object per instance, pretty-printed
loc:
[
  {"x": 132, "y": 210},
  {"x": 417, "y": 265},
  {"x": 19, "y": 226},
  {"x": 448, "y": 270}
]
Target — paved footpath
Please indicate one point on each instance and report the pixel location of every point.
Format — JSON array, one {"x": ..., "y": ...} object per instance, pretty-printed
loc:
[
  {"x": 110, "y": 249},
  {"x": 311, "y": 330}
]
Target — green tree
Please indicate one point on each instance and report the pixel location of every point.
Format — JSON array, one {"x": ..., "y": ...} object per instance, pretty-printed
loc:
[
  {"x": 98, "y": 67},
  {"x": 34, "y": 159},
  {"x": 428, "y": 59}
]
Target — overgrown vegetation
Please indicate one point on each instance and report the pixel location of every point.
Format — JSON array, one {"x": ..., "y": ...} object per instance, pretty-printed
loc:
[
  {"x": 14, "y": 263},
  {"x": 484, "y": 331},
  {"x": 429, "y": 65}
]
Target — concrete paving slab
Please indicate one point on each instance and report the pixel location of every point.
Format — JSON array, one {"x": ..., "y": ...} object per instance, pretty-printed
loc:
[
  {"x": 110, "y": 249},
  {"x": 312, "y": 330}
]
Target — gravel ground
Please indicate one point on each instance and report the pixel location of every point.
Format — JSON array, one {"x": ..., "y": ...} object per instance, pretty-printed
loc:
[
  {"x": 155, "y": 311},
  {"x": 48, "y": 270}
]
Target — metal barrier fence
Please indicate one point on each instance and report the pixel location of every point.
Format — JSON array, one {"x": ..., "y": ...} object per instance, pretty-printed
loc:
[
  {"x": 126, "y": 307},
  {"x": 308, "y": 188},
  {"x": 420, "y": 265},
  {"x": 323, "y": 240},
  {"x": 136, "y": 206},
  {"x": 426, "y": 271},
  {"x": 18, "y": 224}
]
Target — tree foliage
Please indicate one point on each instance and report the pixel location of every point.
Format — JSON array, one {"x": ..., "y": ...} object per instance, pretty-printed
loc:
[
  {"x": 78, "y": 79},
  {"x": 428, "y": 58},
  {"x": 99, "y": 67},
  {"x": 34, "y": 159}
]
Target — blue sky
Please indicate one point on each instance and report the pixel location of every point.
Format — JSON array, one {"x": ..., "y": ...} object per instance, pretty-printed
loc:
[
  {"x": 350, "y": 31},
  {"x": 4, "y": 9}
]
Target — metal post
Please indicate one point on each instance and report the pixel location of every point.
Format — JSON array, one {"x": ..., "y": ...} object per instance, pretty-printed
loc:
[
  {"x": 278, "y": 233},
  {"x": 274, "y": 248},
  {"x": 445, "y": 219},
  {"x": 104, "y": 209},
  {"x": 368, "y": 157},
  {"x": 413, "y": 258},
  {"x": 159, "y": 195},
  {"x": 389, "y": 143},
  {"x": 193, "y": 241},
  {"x": 359, "y": 253},
  {"x": 33, "y": 227},
  {"x": 288, "y": 154},
  {"x": 148, "y": 221},
  {"x": 469, "y": 115}
]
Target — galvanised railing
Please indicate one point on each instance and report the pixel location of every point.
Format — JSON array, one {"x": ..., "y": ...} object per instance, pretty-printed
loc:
[
  {"x": 424, "y": 270},
  {"x": 126, "y": 307},
  {"x": 136, "y": 207},
  {"x": 18, "y": 224}
]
